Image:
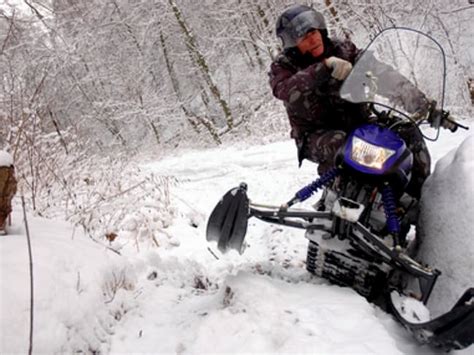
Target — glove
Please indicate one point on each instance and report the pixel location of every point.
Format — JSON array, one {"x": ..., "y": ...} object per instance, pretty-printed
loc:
[
  {"x": 435, "y": 118},
  {"x": 340, "y": 67},
  {"x": 426, "y": 107}
]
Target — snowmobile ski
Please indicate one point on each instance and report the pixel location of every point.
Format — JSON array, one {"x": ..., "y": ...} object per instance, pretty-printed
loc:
[
  {"x": 453, "y": 330},
  {"x": 227, "y": 224}
]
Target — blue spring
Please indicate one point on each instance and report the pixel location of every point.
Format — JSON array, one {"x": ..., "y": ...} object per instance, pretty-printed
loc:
[
  {"x": 323, "y": 180},
  {"x": 390, "y": 208}
]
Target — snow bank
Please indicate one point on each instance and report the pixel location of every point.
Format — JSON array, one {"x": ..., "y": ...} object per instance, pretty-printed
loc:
[
  {"x": 5, "y": 158},
  {"x": 79, "y": 290},
  {"x": 446, "y": 225}
]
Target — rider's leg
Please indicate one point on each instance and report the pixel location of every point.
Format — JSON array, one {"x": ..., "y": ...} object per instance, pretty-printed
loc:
[
  {"x": 421, "y": 160},
  {"x": 321, "y": 147}
]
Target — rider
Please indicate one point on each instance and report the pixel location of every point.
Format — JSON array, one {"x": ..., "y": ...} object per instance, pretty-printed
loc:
[{"x": 307, "y": 76}]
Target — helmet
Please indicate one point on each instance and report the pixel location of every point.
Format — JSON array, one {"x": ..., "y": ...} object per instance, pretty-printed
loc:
[{"x": 296, "y": 21}]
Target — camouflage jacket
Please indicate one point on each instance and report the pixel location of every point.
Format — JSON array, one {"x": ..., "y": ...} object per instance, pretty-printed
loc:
[{"x": 311, "y": 95}]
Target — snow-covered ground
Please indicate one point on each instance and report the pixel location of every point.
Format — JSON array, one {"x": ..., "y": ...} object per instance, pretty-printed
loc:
[{"x": 180, "y": 298}]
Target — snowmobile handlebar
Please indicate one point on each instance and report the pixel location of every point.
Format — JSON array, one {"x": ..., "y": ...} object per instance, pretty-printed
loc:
[
  {"x": 440, "y": 118},
  {"x": 448, "y": 122},
  {"x": 435, "y": 117}
]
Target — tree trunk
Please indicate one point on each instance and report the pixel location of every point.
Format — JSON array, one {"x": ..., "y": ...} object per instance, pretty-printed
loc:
[
  {"x": 201, "y": 63},
  {"x": 175, "y": 84},
  {"x": 335, "y": 16}
]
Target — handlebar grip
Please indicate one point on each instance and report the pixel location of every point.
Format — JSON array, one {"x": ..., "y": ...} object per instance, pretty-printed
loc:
[
  {"x": 449, "y": 123},
  {"x": 441, "y": 118}
]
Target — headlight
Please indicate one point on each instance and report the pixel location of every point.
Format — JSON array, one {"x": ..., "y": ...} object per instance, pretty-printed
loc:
[{"x": 369, "y": 155}]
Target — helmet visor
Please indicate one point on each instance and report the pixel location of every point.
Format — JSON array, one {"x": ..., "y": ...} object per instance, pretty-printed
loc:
[{"x": 300, "y": 25}]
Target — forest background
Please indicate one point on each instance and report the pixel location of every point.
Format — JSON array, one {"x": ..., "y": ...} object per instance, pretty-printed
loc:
[{"x": 87, "y": 87}]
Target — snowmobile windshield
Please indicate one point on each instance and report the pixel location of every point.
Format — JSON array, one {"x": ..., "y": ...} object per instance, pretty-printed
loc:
[{"x": 396, "y": 67}]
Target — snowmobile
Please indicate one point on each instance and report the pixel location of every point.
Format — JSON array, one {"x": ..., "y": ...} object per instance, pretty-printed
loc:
[{"x": 359, "y": 235}]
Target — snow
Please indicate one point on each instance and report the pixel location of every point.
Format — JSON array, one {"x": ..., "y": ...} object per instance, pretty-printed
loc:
[
  {"x": 70, "y": 276},
  {"x": 350, "y": 214},
  {"x": 446, "y": 217},
  {"x": 184, "y": 299},
  {"x": 412, "y": 310},
  {"x": 5, "y": 158},
  {"x": 245, "y": 316}
]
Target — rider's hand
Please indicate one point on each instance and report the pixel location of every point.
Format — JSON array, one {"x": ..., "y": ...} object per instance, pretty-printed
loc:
[
  {"x": 435, "y": 118},
  {"x": 340, "y": 67},
  {"x": 425, "y": 107}
]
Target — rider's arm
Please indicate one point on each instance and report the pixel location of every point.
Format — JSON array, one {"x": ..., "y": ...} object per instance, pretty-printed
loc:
[{"x": 286, "y": 84}]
